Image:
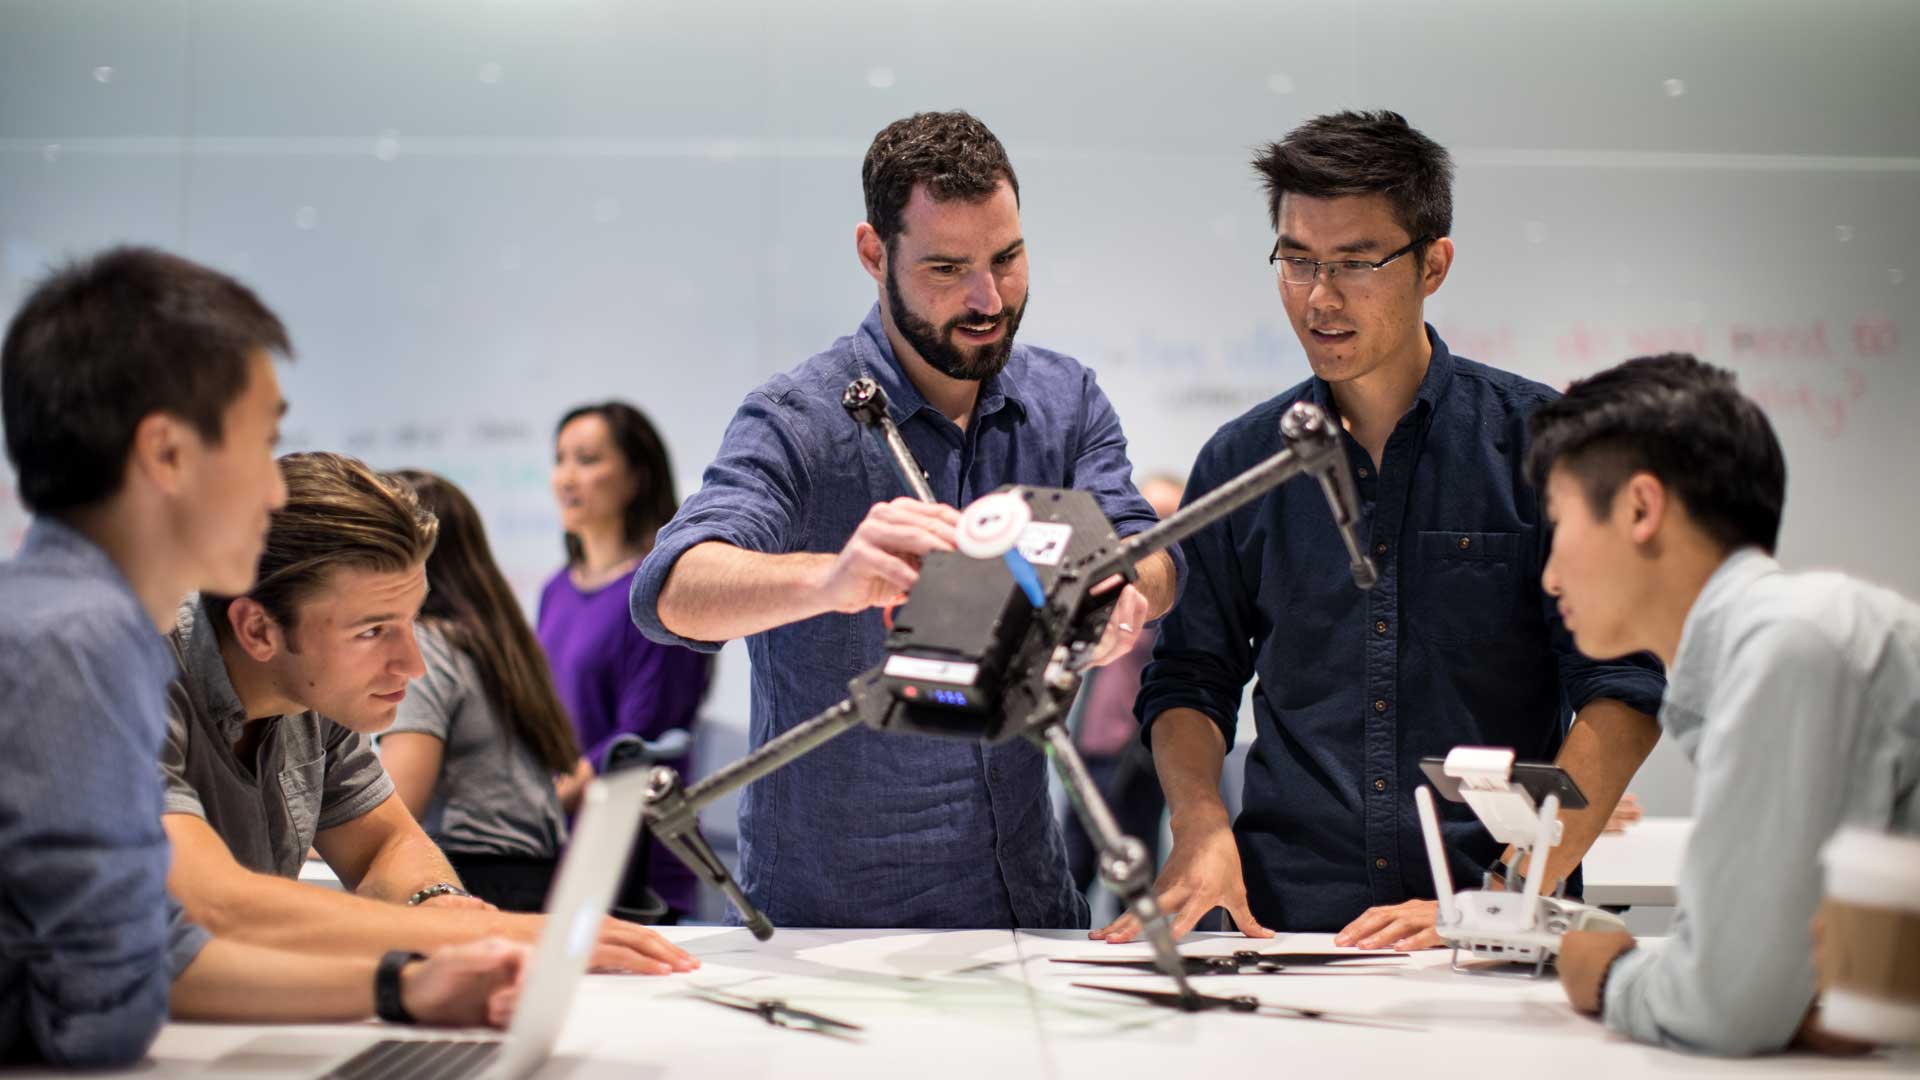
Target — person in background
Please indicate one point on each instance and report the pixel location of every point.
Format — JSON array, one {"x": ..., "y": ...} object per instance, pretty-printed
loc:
[
  {"x": 141, "y": 409},
  {"x": 1796, "y": 696},
  {"x": 614, "y": 484},
  {"x": 1109, "y": 735},
  {"x": 476, "y": 743}
]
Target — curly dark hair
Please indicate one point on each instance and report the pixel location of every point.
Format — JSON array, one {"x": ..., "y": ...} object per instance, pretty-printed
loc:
[
  {"x": 1363, "y": 153},
  {"x": 1682, "y": 421},
  {"x": 952, "y": 153}
]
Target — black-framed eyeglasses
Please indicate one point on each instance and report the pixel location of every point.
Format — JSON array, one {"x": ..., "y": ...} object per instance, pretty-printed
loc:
[{"x": 1295, "y": 270}]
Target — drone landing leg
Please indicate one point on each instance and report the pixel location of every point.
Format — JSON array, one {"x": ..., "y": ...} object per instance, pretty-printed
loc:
[{"x": 1123, "y": 859}]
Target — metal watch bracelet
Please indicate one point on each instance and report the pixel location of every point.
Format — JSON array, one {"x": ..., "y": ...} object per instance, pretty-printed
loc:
[{"x": 444, "y": 888}]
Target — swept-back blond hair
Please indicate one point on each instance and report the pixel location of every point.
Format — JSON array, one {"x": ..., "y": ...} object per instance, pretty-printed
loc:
[{"x": 340, "y": 514}]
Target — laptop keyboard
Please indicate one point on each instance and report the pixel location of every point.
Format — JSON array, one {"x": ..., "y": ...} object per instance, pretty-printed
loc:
[{"x": 418, "y": 1059}]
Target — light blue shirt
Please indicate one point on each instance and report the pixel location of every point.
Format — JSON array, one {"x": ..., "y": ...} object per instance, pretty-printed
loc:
[
  {"x": 90, "y": 942},
  {"x": 1797, "y": 697}
]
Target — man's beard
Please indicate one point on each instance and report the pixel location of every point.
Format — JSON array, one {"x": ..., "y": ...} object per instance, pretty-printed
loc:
[{"x": 973, "y": 363}]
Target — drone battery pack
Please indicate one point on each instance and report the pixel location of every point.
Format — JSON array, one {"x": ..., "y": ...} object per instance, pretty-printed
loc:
[{"x": 968, "y": 637}]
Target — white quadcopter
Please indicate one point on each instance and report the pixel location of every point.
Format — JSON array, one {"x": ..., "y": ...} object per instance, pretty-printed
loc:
[{"x": 1519, "y": 805}]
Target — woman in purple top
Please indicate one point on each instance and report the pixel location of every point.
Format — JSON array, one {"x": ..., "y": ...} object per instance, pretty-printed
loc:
[{"x": 614, "y": 485}]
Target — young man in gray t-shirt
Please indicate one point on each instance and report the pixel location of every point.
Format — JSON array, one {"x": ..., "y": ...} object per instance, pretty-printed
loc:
[{"x": 266, "y": 752}]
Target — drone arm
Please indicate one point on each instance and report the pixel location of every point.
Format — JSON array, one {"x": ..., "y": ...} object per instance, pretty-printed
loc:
[
  {"x": 1124, "y": 866},
  {"x": 1312, "y": 447},
  {"x": 867, "y": 404},
  {"x": 673, "y": 812}
]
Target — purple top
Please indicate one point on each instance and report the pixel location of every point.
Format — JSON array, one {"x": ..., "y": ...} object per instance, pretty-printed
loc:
[{"x": 614, "y": 681}]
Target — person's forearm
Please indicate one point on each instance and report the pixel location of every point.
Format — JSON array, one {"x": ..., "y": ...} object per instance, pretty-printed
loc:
[
  {"x": 1604, "y": 748},
  {"x": 1188, "y": 753},
  {"x": 260, "y": 909},
  {"x": 718, "y": 592},
  {"x": 231, "y": 980},
  {"x": 1157, "y": 583},
  {"x": 403, "y": 867}
]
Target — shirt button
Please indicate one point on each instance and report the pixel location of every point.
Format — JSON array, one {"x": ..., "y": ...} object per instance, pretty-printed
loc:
[
  {"x": 1380, "y": 705},
  {"x": 1466, "y": 542},
  {"x": 1379, "y": 785},
  {"x": 1362, "y": 470},
  {"x": 1380, "y": 627},
  {"x": 1380, "y": 548},
  {"x": 1379, "y": 864}
]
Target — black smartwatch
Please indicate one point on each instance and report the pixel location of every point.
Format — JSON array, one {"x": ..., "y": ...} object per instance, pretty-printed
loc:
[{"x": 386, "y": 987}]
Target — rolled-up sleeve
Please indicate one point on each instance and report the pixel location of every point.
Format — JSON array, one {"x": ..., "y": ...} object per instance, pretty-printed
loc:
[
  {"x": 1636, "y": 681},
  {"x": 180, "y": 796},
  {"x": 184, "y": 939},
  {"x": 753, "y": 496},
  {"x": 356, "y": 782},
  {"x": 1204, "y": 655},
  {"x": 1736, "y": 973},
  {"x": 1102, "y": 469}
]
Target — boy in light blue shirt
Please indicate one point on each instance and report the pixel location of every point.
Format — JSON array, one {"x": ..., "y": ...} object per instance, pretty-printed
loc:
[{"x": 1796, "y": 696}]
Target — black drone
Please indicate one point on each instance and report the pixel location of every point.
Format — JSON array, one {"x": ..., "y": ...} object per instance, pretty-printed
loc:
[{"x": 992, "y": 641}]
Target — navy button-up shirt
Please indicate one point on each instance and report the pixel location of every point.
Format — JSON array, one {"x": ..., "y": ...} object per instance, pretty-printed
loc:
[
  {"x": 1457, "y": 644},
  {"x": 887, "y": 829}
]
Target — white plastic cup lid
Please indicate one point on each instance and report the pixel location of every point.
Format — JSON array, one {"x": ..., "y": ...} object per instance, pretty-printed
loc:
[{"x": 1870, "y": 867}]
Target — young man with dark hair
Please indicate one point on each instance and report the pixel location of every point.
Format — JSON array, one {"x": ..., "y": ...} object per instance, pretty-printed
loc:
[
  {"x": 799, "y": 534},
  {"x": 1455, "y": 645},
  {"x": 141, "y": 409},
  {"x": 1797, "y": 696},
  {"x": 267, "y": 750}
]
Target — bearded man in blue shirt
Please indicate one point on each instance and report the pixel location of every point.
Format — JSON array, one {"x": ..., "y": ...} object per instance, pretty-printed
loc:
[{"x": 800, "y": 531}]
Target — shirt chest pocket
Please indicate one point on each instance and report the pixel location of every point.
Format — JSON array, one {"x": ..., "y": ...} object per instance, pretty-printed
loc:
[
  {"x": 302, "y": 786},
  {"x": 1466, "y": 588}
]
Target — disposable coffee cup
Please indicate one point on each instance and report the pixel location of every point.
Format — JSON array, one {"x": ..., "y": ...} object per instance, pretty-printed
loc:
[{"x": 1870, "y": 937}]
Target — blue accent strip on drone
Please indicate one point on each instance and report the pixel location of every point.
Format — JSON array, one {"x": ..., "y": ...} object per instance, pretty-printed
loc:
[{"x": 1024, "y": 574}]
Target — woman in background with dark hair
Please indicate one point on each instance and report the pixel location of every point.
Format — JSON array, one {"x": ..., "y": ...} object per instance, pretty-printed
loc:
[
  {"x": 614, "y": 485},
  {"x": 481, "y": 736}
]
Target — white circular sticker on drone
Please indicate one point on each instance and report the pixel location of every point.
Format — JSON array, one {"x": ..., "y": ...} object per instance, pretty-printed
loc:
[{"x": 992, "y": 524}]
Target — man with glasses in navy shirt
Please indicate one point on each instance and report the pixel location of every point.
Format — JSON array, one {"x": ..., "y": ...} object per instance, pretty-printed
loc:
[
  {"x": 1457, "y": 644},
  {"x": 798, "y": 533}
]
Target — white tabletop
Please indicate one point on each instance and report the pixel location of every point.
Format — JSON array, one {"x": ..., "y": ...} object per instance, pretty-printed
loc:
[
  {"x": 989, "y": 1005},
  {"x": 1639, "y": 866}
]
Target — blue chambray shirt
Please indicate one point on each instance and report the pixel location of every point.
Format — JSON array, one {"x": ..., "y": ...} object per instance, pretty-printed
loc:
[
  {"x": 884, "y": 829},
  {"x": 1457, "y": 644},
  {"x": 90, "y": 941}
]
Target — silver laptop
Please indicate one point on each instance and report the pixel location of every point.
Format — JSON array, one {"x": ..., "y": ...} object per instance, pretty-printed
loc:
[{"x": 583, "y": 891}]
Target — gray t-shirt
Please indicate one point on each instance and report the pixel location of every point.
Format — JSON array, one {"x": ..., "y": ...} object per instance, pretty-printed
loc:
[
  {"x": 308, "y": 774},
  {"x": 493, "y": 797}
]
